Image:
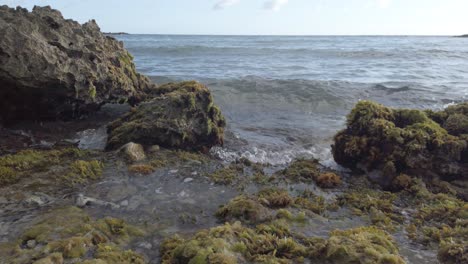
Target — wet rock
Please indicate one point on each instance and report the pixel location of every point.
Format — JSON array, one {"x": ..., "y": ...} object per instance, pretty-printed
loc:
[
  {"x": 37, "y": 200},
  {"x": 51, "y": 67},
  {"x": 393, "y": 141},
  {"x": 187, "y": 180},
  {"x": 182, "y": 115},
  {"x": 120, "y": 192},
  {"x": 133, "y": 152},
  {"x": 31, "y": 243},
  {"x": 154, "y": 149},
  {"x": 82, "y": 201}
]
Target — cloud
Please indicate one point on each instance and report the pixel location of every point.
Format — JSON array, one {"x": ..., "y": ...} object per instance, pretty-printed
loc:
[
  {"x": 224, "y": 3},
  {"x": 384, "y": 3},
  {"x": 274, "y": 5}
]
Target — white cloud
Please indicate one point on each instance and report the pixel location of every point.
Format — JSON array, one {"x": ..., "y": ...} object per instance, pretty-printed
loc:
[
  {"x": 274, "y": 5},
  {"x": 384, "y": 3},
  {"x": 224, "y": 3}
]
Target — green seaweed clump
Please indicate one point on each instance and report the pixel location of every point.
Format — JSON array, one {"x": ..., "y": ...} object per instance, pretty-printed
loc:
[
  {"x": 14, "y": 167},
  {"x": 310, "y": 201},
  {"x": 441, "y": 221},
  {"x": 181, "y": 116},
  {"x": 229, "y": 244},
  {"x": 377, "y": 205},
  {"x": 82, "y": 171},
  {"x": 69, "y": 233},
  {"x": 275, "y": 198},
  {"x": 226, "y": 175},
  {"x": 245, "y": 208},
  {"x": 307, "y": 170},
  {"x": 393, "y": 141},
  {"x": 302, "y": 170},
  {"x": 366, "y": 245},
  {"x": 143, "y": 169}
]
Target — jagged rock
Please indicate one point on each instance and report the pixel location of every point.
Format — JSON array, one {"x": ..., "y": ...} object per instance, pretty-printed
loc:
[
  {"x": 182, "y": 115},
  {"x": 51, "y": 67},
  {"x": 133, "y": 152},
  {"x": 392, "y": 141}
]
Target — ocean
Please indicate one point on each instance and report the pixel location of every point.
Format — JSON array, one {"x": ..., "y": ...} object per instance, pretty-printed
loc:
[{"x": 286, "y": 96}]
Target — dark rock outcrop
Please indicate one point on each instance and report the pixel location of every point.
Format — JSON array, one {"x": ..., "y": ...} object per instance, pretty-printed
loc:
[
  {"x": 428, "y": 144},
  {"x": 51, "y": 67},
  {"x": 182, "y": 115}
]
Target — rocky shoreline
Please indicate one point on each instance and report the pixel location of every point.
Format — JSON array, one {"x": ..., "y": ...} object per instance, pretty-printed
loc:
[{"x": 108, "y": 167}]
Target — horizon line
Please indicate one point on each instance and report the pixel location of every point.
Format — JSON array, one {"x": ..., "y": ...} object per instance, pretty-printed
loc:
[{"x": 284, "y": 35}]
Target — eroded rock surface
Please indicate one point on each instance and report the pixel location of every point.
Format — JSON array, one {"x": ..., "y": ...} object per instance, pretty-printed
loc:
[
  {"x": 51, "y": 67},
  {"x": 182, "y": 115}
]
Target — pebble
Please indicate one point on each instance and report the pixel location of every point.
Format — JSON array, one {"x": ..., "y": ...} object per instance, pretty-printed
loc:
[
  {"x": 145, "y": 245},
  {"x": 183, "y": 194},
  {"x": 187, "y": 180},
  {"x": 173, "y": 171},
  {"x": 124, "y": 203},
  {"x": 194, "y": 173},
  {"x": 36, "y": 200},
  {"x": 31, "y": 243}
]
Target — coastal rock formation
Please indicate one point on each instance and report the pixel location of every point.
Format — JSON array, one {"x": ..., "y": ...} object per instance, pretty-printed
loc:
[
  {"x": 392, "y": 141},
  {"x": 51, "y": 67},
  {"x": 182, "y": 115}
]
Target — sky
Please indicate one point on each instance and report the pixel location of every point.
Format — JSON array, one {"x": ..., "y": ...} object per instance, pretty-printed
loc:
[{"x": 267, "y": 17}]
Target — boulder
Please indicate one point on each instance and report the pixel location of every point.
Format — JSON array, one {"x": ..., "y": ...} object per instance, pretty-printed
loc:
[
  {"x": 51, "y": 67},
  {"x": 388, "y": 142},
  {"x": 181, "y": 115}
]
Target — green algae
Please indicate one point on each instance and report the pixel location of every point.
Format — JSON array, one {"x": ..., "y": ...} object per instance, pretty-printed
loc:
[
  {"x": 308, "y": 170},
  {"x": 143, "y": 169},
  {"x": 69, "y": 233},
  {"x": 14, "y": 167},
  {"x": 226, "y": 175},
  {"x": 312, "y": 202},
  {"x": 81, "y": 172},
  {"x": 245, "y": 208},
  {"x": 275, "y": 197},
  {"x": 275, "y": 243},
  {"x": 377, "y": 205},
  {"x": 440, "y": 221},
  {"x": 396, "y": 141},
  {"x": 232, "y": 244},
  {"x": 176, "y": 118},
  {"x": 359, "y": 245},
  {"x": 302, "y": 170}
]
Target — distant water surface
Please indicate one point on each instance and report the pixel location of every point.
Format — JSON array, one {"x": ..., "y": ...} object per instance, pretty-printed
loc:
[{"x": 286, "y": 96}]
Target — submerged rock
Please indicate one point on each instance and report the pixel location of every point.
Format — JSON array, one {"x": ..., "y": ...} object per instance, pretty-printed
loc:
[
  {"x": 393, "y": 141},
  {"x": 132, "y": 152},
  {"x": 51, "y": 67},
  {"x": 182, "y": 115}
]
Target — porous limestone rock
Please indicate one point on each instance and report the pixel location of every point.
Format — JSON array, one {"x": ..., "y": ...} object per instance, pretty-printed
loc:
[{"x": 51, "y": 67}]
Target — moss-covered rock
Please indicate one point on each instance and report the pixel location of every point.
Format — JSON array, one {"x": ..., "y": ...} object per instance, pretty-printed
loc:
[
  {"x": 359, "y": 245},
  {"x": 244, "y": 208},
  {"x": 393, "y": 141},
  {"x": 229, "y": 244},
  {"x": 69, "y": 233},
  {"x": 275, "y": 243},
  {"x": 182, "y": 115}
]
